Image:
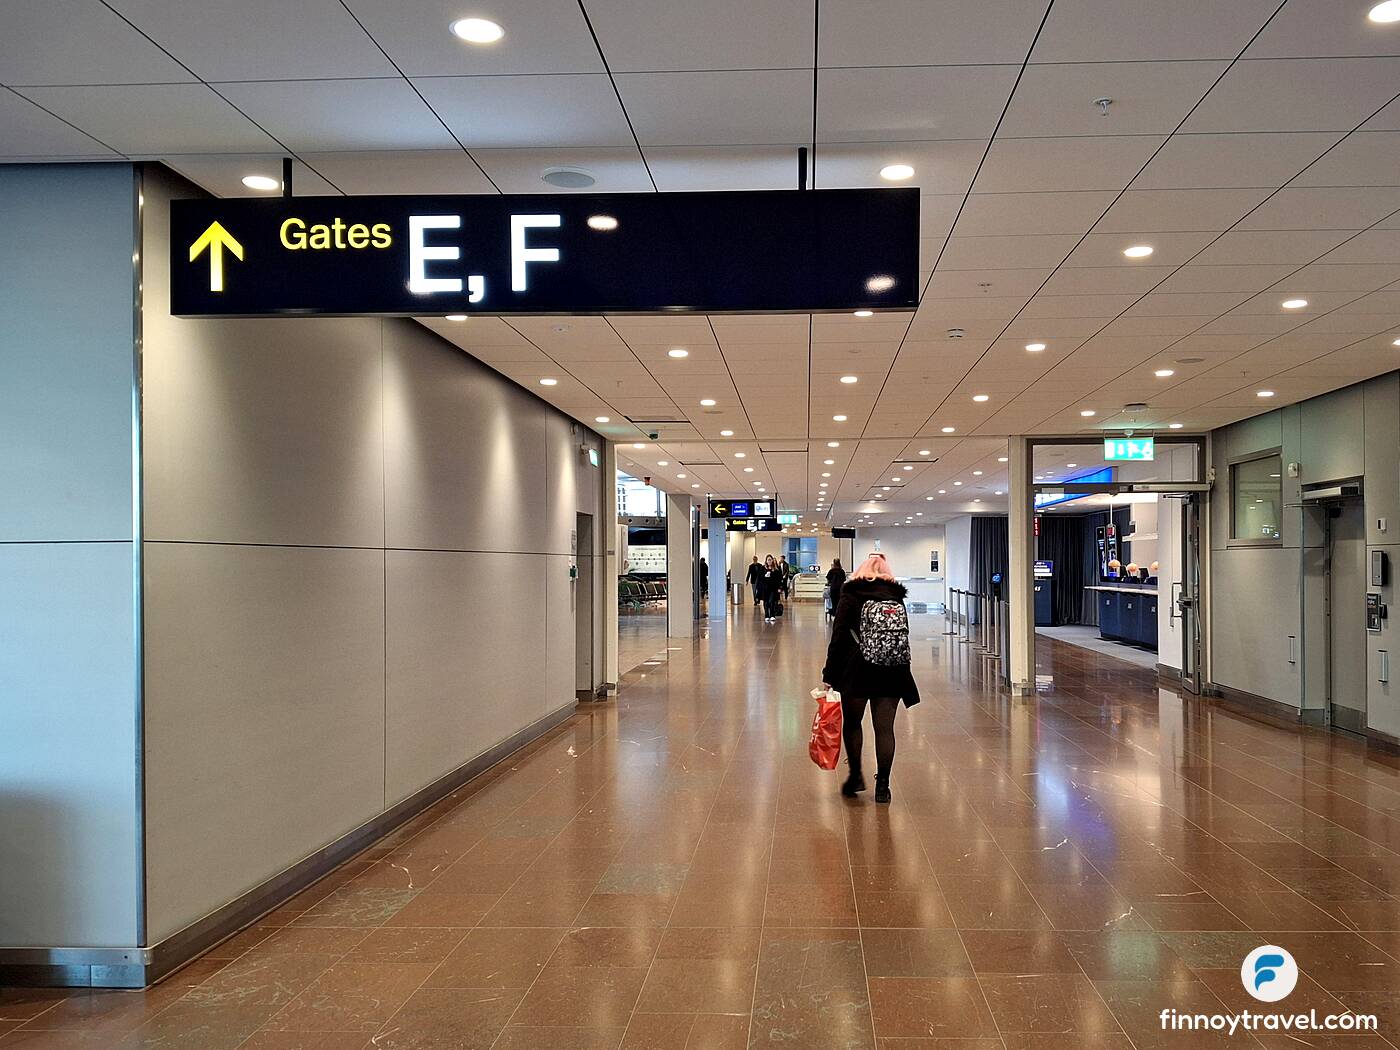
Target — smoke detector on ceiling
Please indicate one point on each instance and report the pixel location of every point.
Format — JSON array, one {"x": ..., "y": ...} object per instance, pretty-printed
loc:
[
  {"x": 566, "y": 178},
  {"x": 956, "y": 333}
]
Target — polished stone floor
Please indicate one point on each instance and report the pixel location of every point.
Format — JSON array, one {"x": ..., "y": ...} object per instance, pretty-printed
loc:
[{"x": 672, "y": 872}]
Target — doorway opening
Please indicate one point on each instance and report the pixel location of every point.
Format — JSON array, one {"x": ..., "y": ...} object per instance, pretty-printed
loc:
[
  {"x": 1345, "y": 523},
  {"x": 584, "y": 584}
]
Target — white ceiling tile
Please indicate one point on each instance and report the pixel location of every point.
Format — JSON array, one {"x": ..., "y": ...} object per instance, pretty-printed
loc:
[
  {"x": 260, "y": 39},
  {"x": 222, "y": 174},
  {"x": 1265, "y": 95},
  {"x": 27, "y": 131},
  {"x": 692, "y": 168},
  {"x": 1016, "y": 165},
  {"x": 528, "y": 111},
  {"x": 1149, "y": 98},
  {"x": 1347, "y": 277},
  {"x": 542, "y": 36},
  {"x": 1145, "y": 30},
  {"x": 644, "y": 36},
  {"x": 1323, "y": 208},
  {"x": 323, "y": 115},
  {"x": 1189, "y": 304},
  {"x": 1364, "y": 159},
  {"x": 1158, "y": 211},
  {"x": 1086, "y": 280},
  {"x": 761, "y": 106},
  {"x": 939, "y": 167},
  {"x": 1308, "y": 28},
  {"x": 1388, "y": 119},
  {"x": 1078, "y": 305},
  {"x": 1169, "y": 249},
  {"x": 915, "y": 32},
  {"x": 617, "y": 170},
  {"x": 1222, "y": 161},
  {"x": 1199, "y": 277},
  {"x": 78, "y": 42},
  {"x": 1253, "y": 246},
  {"x": 998, "y": 253},
  {"x": 155, "y": 119},
  {"x": 1372, "y": 246},
  {"x": 1014, "y": 214},
  {"x": 911, "y": 103},
  {"x": 393, "y": 171}
]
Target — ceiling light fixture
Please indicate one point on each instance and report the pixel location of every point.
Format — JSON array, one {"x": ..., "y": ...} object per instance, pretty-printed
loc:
[
  {"x": 925, "y": 452},
  {"x": 838, "y": 419},
  {"x": 826, "y": 473},
  {"x": 949, "y": 430},
  {"x": 1071, "y": 465},
  {"x": 865, "y": 313},
  {"x": 1035, "y": 348},
  {"x": 1164, "y": 373},
  {"x": 908, "y": 468},
  {"x": 477, "y": 30},
  {"x": 707, "y": 402},
  {"x": 602, "y": 419},
  {"x": 1294, "y": 304},
  {"x": 1175, "y": 426},
  {"x": 956, "y": 484},
  {"x": 1087, "y": 412},
  {"x": 976, "y": 473},
  {"x": 678, "y": 351},
  {"x": 456, "y": 317},
  {"x": 726, "y": 433},
  {"x": 850, "y": 379},
  {"x": 548, "y": 381},
  {"x": 1001, "y": 459},
  {"x": 833, "y": 444},
  {"x": 261, "y": 182},
  {"x": 663, "y": 462},
  {"x": 1385, "y": 13},
  {"x": 1396, "y": 343},
  {"x": 639, "y": 445},
  {"x": 981, "y": 397},
  {"x": 602, "y": 223},
  {"x": 829, "y": 462},
  {"x": 896, "y": 172},
  {"x": 748, "y": 470},
  {"x": 681, "y": 476},
  {"x": 739, "y": 455},
  {"x": 998, "y": 492},
  {"x": 1138, "y": 251},
  {"x": 1265, "y": 393}
]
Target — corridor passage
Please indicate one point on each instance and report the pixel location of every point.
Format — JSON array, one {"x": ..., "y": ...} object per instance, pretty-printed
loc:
[{"x": 672, "y": 873}]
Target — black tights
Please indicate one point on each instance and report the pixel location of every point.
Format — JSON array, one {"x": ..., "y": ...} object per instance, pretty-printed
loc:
[
  {"x": 770, "y": 603},
  {"x": 882, "y": 712}
]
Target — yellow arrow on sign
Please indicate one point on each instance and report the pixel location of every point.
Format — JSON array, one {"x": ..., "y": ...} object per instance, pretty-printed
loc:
[{"x": 216, "y": 239}]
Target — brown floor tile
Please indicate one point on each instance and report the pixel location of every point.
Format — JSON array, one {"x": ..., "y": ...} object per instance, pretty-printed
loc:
[
  {"x": 497, "y": 958},
  {"x": 922, "y": 1006},
  {"x": 356, "y": 907},
  {"x": 449, "y": 1019},
  {"x": 658, "y": 1031},
  {"x": 811, "y": 991},
  {"x": 915, "y": 953},
  {"x": 582, "y": 997},
  {"x": 992, "y": 902},
  {"x": 541, "y": 904},
  {"x": 1018, "y": 952},
  {"x": 625, "y": 909},
  {"x": 434, "y": 907},
  {"x": 307, "y": 940},
  {"x": 264, "y": 1040},
  {"x": 1125, "y": 956},
  {"x": 351, "y": 996},
  {"x": 524, "y": 1037},
  {"x": 408, "y": 944},
  {"x": 1046, "y": 1003},
  {"x": 814, "y": 904}
]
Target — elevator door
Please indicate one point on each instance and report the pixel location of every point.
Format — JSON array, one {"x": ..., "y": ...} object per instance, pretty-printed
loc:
[{"x": 1346, "y": 616}]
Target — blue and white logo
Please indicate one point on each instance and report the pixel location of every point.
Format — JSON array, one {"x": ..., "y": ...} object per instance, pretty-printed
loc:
[{"x": 1269, "y": 973}]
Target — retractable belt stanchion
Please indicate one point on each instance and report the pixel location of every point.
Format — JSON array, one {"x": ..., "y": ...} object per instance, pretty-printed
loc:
[{"x": 949, "y": 615}]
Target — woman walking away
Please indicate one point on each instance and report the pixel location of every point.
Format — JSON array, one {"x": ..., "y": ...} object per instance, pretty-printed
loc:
[
  {"x": 868, "y": 662},
  {"x": 835, "y": 580},
  {"x": 771, "y": 584}
]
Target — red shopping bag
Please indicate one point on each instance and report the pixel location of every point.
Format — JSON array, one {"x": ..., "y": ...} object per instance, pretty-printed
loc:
[{"x": 825, "y": 745}]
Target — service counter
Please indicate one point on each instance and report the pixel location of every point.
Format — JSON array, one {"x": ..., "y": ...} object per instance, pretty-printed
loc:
[{"x": 1127, "y": 613}]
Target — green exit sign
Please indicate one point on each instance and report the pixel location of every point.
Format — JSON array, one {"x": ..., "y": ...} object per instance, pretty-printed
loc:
[
  {"x": 1142, "y": 450},
  {"x": 787, "y": 517}
]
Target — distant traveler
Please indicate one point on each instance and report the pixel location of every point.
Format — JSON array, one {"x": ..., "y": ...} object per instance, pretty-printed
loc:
[
  {"x": 835, "y": 580},
  {"x": 756, "y": 580},
  {"x": 868, "y": 662},
  {"x": 704, "y": 579},
  {"x": 785, "y": 569},
  {"x": 771, "y": 585}
]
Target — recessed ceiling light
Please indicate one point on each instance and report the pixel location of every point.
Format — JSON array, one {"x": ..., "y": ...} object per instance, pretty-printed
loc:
[
  {"x": 949, "y": 430},
  {"x": 707, "y": 402},
  {"x": 1175, "y": 426},
  {"x": 1386, "y": 12},
  {"x": 663, "y": 462},
  {"x": 930, "y": 497},
  {"x": 568, "y": 178},
  {"x": 883, "y": 488},
  {"x": 1163, "y": 373},
  {"x": 547, "y": 381},
  {"x": 602, "y": 419},
  {"x": 826, "y": 473},
  {"x": 759, "y": 484},
  {"x": 1086, "y": 412},
  {"x": 976, "y": 473},
  {"x": 824, "y": 484},
  {"x": 678, "y": 351},
  {"x": 976, "y": 499},
  {"x": 1035, "y": 348},
  {"x": 1068, "y": 465},
  {"x": 261, "y": 182},
  {"x": 908, "y": 467},
  {"x": 1138, "y": 251},
  {"x": 838, "y": 419},
  {"x": 1294, "y": 304},
  {"x": 681, "y": 476},
  {"x": 833, "y": 444},
  {"x": 850, "y": 379},
  {"x": 1396, "y": 343},
  {"x": 956, "y": 484},
  {"x": 896, "y": 172},
  {"x": 1265, "y": 393},
  {"x": 981, "y": 397},
  {"x": 894, "y": 479},
  {"x": 726, "y": 433},
  {"x": 456, "y": 317},
  {"x": 865, "y": 313},
  {"x": 602, "y": 223},
  {"x": 1001, "y": 459},
  {"x": 639, "y": 445},
  {"x": 748, "y": 470},
  {"x": 477, "y": 30},
  {"x": 998, "y": 492},
  {"x": 925, "y": 452},
  {"x": 918, "y": 514},
  {"x": 696, "y": 485},
  {"x": 829, "y": 462},
  {"x": 740, "y": 455}
]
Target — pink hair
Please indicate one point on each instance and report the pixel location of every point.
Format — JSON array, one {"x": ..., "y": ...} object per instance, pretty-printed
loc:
[{"x": 875, "y": 567}]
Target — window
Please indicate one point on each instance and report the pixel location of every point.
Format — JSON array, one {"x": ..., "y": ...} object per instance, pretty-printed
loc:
[
  {"x": 637, "y": 499},
  {"x": 801, "y": 552},
  {"x": 1256, "y": 493}
]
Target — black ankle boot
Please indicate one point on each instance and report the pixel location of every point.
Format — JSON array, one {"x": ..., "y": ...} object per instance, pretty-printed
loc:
[
  {"x": 854, "y": 784},
  {"x": 882, "y": 789}
]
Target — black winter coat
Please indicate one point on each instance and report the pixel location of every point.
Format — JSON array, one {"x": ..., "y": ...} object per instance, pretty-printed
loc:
[
  {"x": 770, "y": 582},
  {"x": 846, "y": 670},
  {"x": 835, "y": 579},
  {"x": 755, "y": 573}
]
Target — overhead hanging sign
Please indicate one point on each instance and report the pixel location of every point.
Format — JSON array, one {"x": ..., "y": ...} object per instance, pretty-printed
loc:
[
  {"x": 741, "y": 508},
  {"x": 1136, "y": 449},
  {"x": 764, "y": 251},
  {"x": 752, "y": 525}
]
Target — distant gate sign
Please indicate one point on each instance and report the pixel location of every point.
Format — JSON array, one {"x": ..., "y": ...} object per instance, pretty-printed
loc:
[
  {"x": 1142, "y": 450},
  {"x": 738, "y": 252}
]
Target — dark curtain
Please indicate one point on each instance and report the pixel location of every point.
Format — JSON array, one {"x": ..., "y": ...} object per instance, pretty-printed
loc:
[
  {"x": 1090, "y": 599},
  {"x": 990, "y": 552},
  {"x": 1062, "y": 542}
]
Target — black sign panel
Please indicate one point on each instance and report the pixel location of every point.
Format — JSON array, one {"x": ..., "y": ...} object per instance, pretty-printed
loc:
[
  {"x": 741, "y": 508},
  {"x": 752, "y": 525},
  {"x": 774, "y": 250}
]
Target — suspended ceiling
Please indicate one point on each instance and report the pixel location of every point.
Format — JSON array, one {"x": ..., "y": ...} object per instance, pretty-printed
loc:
[{"x": 1254, "y": 146}]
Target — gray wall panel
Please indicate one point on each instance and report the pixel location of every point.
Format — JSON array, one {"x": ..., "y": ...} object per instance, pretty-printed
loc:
[
  {"x": 464, "y": 450},
  {"x": 264, "y": 714},
  {"x": 68, "y": 804},
  {"x": 67, "y": 351},
  {"x": 561, "y": 629},
  {"x": 1333, "y": 436},
  {"x": 1251, "y": 650},
  {"x": 466, "y": 632}
]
